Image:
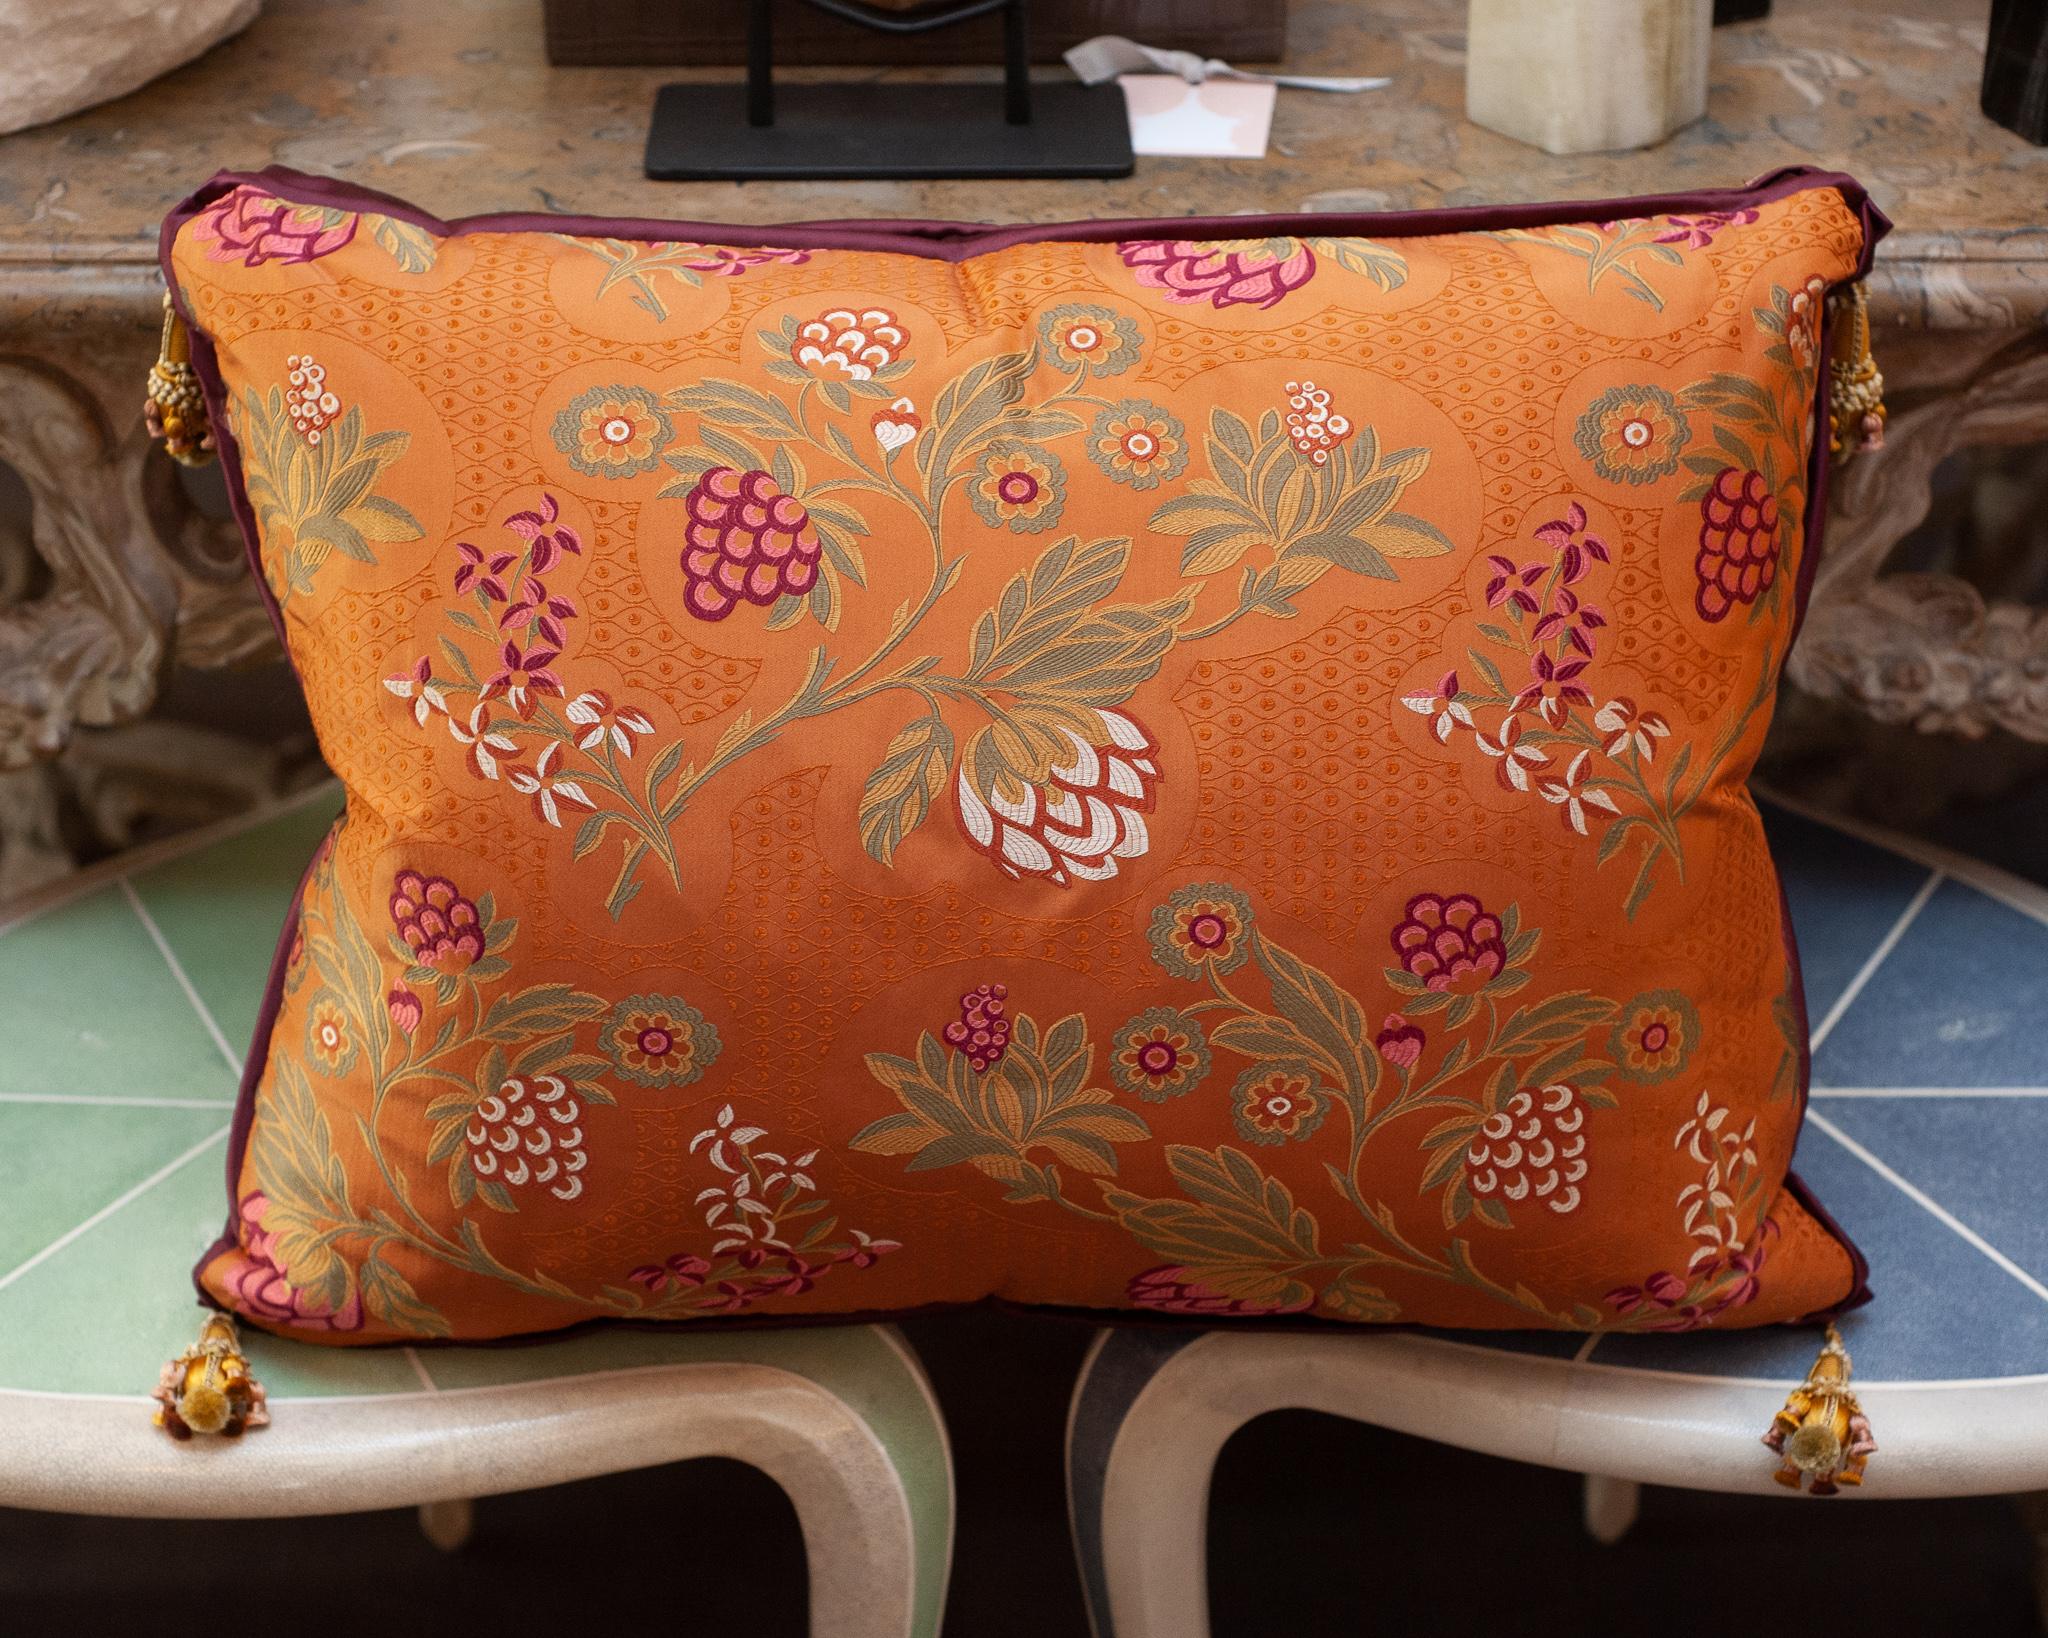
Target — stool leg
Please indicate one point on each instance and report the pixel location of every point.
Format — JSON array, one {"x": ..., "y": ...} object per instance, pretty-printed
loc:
[
  {"x": 1610, "y": 1507},
  {"x": 447, "y": 1524}
]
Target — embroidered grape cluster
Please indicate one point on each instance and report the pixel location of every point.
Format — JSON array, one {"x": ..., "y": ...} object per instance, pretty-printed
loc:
[
  {"x": 982, "y": 1030},
  {"x": 313, "y": 408},
  {"x": 1314, "y": 429}
]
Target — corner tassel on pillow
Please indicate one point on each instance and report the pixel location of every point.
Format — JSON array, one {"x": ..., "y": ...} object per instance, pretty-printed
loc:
[
  {"x": 1822, "y": 1432},
  {"x": 176, "y": 410},
  {"x": 208, "y": 1388},
  {"x": 1856, "y": 410}
]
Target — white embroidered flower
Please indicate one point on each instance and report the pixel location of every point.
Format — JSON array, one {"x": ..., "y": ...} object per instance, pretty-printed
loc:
[{"x": 1088, "y": 813}]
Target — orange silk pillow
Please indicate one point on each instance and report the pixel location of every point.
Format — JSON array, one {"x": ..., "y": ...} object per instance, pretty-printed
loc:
[{"x": 1187, "y": 768}]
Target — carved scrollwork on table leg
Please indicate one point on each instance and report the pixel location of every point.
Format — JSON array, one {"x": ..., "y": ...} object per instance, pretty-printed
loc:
[{"x": 1928, "y": 649}]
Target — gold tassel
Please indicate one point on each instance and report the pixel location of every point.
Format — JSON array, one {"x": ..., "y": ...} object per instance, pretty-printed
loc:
[
  {"x": 1822, "y": 1433},
  {"x": 209, "y": 1389},
  {"x": 1855, "y": 384},
  {"x": 176, "y": 410}
]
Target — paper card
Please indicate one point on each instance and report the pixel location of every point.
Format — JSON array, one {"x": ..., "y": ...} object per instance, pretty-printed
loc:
[{"x": 1218, "y": 119}]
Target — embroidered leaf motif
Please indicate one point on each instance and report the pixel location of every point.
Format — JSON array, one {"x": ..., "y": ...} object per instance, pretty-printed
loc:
[
  {"x": 390, "y": 1299},
  {"x": 1382, "y": 264},
  {"x": 1322, "y": 1011},
  {"x": 1238, "y": 1230},
  {"x": 414, "y": 249},
  {"x": 901, "y": 790},
  {"x": 638, "y": 266}
]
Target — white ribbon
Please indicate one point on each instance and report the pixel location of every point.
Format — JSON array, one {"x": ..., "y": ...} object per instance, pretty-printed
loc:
[{"x": 1108, "y": 55}]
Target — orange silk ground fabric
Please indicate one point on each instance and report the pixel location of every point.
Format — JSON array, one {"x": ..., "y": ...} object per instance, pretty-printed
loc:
[{"x": 1194, "y": 776}]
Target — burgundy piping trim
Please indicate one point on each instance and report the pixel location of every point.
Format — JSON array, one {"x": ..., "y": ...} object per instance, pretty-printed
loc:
[{"x": 956, "y": 242}]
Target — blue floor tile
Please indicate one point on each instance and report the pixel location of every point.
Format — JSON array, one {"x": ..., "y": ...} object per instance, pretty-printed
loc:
[
  {"x": 1961, "y": 1001},
  {"x": 1942, "y": 1308},
  {"x": 1845, "y": 896},
  {"x": 1980, "y": 1157}
]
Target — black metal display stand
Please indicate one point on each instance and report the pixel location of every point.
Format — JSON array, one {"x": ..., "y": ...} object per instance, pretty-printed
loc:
[{"x": 761, "y": 131}]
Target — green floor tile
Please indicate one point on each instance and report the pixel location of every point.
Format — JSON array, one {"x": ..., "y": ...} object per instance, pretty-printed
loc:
[
  {"x": 88, "y": 1005},
  {"x": 220, "y": 909},
  {"x": 60, "y": 1163}
]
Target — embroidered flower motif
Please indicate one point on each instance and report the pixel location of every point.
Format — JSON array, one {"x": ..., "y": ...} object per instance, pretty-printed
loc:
[
  {"x": 601, "y": 718},
  {"x": 1629, "y": 727},
  {"x": 1444, "y": 705},
  {"x": 1573, "y": 793},
  {"x": 1515, "y": 758},
  {"x": 250, "y": 227},
  {"x": 1019, "y": 485},
  {"x": 613, "y": 432},
  {"x": 418, "y": 686},
  {"x": 683, "y": 1272},
  {"x": 545, "y": 544},
  {"x": 1078, "y": 337},
  {"x": 1533, "y": 1145},
  {"x": 1221, "y": 272},
  {"x": 1803, "y": 320},
  {"x": 1311, "y": 425},
  {"x": 482, "y": 572},
  {"x": 1138, "y": 444},
  {"x": 1577, "y": 548},
  {"x": 444, "y": 930},
  {"x": 660, "y": 1040},
  {"x": 483, "y": 743},
  {"x": 1159, "y": 1054},
  {"x": 1400, "y": 1042},
  {"x": 1177, "y": 1290},
  {"x": 312, "y": 406},
  {"x": 330, "y": 1043},
  {"x": 523, "y": 675},
  {"x": 982, "y": 1031},
  {"x": 1738, "y": 555},
  {"x": 746, "y": 541},
  {"x": 260, "y": 1286},
  {"x": 1272, "y": 1106},
  {"x": 1633, "y": 435},
  {"x": 729, "y": 262},
  {"x": 845, "y": 345},
  {"x": 1450, "y": 943},
  {"x": 897, "y": 425},
  {"x": 1201, "y": 929},
  {"x": 1697, "y": 232},
  {"x": 1656, "y": 1036},
  {"x": 1081, "y": 819},
  {"x": 1553, "y": 688},
  {"x": 550, "y": 791},
  {"x": 542, "y": 614},
  {"x": 405, "y": 1009},
  {"x": 526, "y": 1135}
]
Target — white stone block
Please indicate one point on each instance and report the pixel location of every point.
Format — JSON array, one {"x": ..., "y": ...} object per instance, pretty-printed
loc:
[{"x": 1581, "y": 76}]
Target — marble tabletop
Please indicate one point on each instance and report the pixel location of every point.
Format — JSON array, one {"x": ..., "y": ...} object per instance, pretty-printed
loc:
[{"x": 453, "y": 105}]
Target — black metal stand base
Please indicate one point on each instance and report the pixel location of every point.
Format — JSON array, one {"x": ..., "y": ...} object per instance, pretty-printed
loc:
[{"x": 900, "y": 132}]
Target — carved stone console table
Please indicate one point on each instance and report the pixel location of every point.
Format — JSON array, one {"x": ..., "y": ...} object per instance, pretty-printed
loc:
[{"x": 115, "y": 577}]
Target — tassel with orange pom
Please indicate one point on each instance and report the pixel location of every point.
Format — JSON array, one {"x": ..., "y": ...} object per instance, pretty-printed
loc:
[
  {"x": 1822, "y": 1433},
  {"x": 208, "y": 1388}
]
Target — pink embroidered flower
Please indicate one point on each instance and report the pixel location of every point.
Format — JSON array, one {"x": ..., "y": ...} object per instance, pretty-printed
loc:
[
  {"x": 1086, "y": 815},
  {"x": 682, "y": 1271},
  {"x": 866, "y": 1251},
  {"x": 1576, "y": 548},
  {"x": 1659, "y": 1290},
  {"x": 982, "y": 1031},
  {"x": 729, "y": 262},
  {"x": 1515, "y": 758},
  {"x": 1697, "y": 232},
  {"x": 1177, "y": 1290},
  {"x": 482, "y": 572},
  {"x": 405, "y": 1009},
  {"x": 545, "y": 544},
  {"x": 1568, "y": 622},
  {"x": 1510, "y": 584},
  {"x": 250, "y": 227},
  {"x": 601, "y": 718},
  {"x": 1574, "y": 793},
  {"x": 745, "y": 541},
  {"x": 1400, "y": 1042},
  {"x": 433, "y": 920},
  {"x": 260, "y": 1286},
  {"x": 1627, "y": 726},
  {"x": 1553, "y": 688},
  {"x": 1450, "y": 943},
  {"x": 523, "y": 676},
  {"x": 1444, "y": 705},
  {"x": 1221, "y": 272},
  {"x": 418, "y": 686},
  {"x": 551, "y": 792},
  {"x": 541, "y": 611}
]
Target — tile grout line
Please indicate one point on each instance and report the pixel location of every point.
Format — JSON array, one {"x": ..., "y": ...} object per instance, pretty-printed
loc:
[
  {"x": 419, "y": 1368},
  {"x": 102, "y": 1100},
  {"x": 1927, "y": 1203},
  {"x": 1869, "y": 968},
  {"x": 113, "y": 1206},
  {"x": 178, "y": 972},
  {"x": 1846, "y": 1092}
]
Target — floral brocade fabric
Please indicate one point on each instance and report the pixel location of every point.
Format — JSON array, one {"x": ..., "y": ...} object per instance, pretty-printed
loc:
[{"x": 1197, "y": 776}]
